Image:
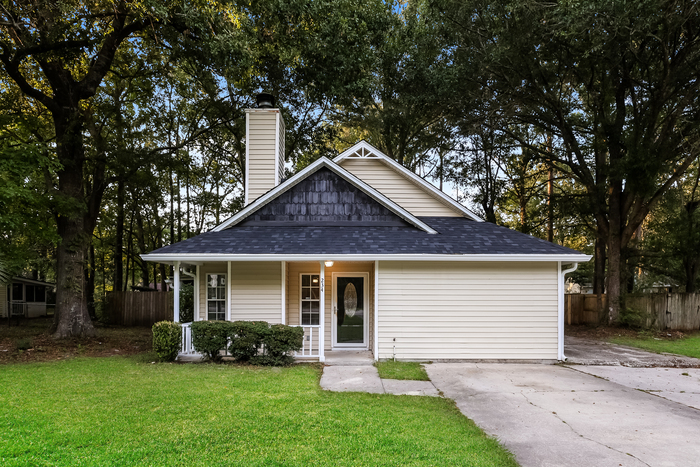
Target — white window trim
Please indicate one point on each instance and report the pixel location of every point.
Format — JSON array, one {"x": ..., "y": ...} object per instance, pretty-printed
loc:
[
  {"x": 206, "y": 294},
  {"x": 301, "y": 300}
]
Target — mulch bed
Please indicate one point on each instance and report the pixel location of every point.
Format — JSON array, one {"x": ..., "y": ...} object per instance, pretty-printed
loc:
[{"x": 109, "y": 341}]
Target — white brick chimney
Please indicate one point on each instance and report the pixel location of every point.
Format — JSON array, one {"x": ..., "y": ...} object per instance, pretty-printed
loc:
[{"x": 264, "y": 149}]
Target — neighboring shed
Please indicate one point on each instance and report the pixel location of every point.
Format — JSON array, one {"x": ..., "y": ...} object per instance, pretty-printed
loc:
[{"x": 27, "y": 297}]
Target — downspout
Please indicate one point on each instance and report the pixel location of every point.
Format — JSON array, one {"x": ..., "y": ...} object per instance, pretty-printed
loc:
[{"x": 562, "y": 273}]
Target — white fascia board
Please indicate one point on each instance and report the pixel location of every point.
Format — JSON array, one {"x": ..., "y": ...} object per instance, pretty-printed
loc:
[
  {"x": 412, "y": 176},
  {"x": 325, "y": 162},
  {"x": 192, "y": 258}
]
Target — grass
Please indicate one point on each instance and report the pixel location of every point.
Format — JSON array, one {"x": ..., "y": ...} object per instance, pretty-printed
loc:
[
  {"x": 391, "y": 369},
  {"x": 689, "y": 346},
  {"x": 126, "y": 411}
]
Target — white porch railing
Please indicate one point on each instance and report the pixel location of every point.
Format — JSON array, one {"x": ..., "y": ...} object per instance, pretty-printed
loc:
[
  {"x": 310, "y": 345},
  {"x": 186, "y": 347},
  {"x": 309, "y": 348}
]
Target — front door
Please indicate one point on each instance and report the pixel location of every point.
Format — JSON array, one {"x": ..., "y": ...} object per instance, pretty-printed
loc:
[{"x": 350, "y": 310}]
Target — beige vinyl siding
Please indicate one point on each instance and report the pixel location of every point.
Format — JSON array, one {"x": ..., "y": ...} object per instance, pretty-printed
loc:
[
  {"x": 262, "y": 140},
  {"x": 453, "y": 310},
  {"x": 294, "y": 269},
  {"x": 256, "y": 291},
  {"x": 397, "y": 187}
]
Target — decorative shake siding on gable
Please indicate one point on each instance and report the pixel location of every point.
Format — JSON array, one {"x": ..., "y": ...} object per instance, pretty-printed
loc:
[
  {"x": 453, "y": 310},
  {"x": 324, "y": 198},
  {"x": 264, "y": 151},
  {"x": 398, "y": 188}
]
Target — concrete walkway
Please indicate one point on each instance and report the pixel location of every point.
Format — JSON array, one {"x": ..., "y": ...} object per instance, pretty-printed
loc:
[
  {"x": 355, "y": 372},
  {"x": 550, "y": 415}
]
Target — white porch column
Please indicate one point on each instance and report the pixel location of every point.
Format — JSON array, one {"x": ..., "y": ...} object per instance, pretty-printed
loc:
[
  {"x": 376, "y": 311},
  {"x": 196, "y": 294},
  {"x": 284, "y": 292},
  {"x": 176, "y": 291},
  {"x": 228, "y": 292},
  {"x": 322, "y": 314}
]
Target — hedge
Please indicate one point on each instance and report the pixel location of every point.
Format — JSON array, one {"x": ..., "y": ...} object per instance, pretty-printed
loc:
[
  {"x": 210, "y": 337},
  {"x": 278, "y": 343},
  {"x": 248, "y": 341},
  {"x": 167, "y": 339}
]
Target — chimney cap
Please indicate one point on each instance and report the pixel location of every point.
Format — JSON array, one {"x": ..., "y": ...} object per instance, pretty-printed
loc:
[{"x": 265, "y": 100}]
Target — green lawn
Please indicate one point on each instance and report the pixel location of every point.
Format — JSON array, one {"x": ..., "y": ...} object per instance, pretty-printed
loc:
[
  {"x": 391, "y": 369},
  {"x": 689, "y": 346},
  {"x": 127, "y": 411}
]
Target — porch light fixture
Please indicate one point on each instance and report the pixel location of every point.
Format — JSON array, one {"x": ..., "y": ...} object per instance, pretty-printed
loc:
[{"x": 328, "y": 263}]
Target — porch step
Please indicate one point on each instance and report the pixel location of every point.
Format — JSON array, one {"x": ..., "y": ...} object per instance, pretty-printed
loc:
[{"x": 349, "y": 358}]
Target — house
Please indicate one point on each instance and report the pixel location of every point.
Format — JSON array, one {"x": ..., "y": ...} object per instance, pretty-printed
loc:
[
  {"x": 25, "y": 297},
  {"x": 364, "y": 254}
]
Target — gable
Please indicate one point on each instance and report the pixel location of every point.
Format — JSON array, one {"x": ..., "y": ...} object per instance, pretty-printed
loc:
[
  {"x": 323, "y": 198},
  {"x": 397, "y": 187}
]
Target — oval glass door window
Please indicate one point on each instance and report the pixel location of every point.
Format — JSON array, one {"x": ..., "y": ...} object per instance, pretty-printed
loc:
[{"x": 350, "y": 300}]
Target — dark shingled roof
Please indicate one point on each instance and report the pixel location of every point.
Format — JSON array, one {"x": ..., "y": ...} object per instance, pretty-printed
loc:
[{"x": 456, "y": 235}]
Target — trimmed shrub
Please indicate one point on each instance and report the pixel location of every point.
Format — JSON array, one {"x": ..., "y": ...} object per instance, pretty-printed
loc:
[
  {"x": 167, "y": 339},
  {"x": 210, "y": 337},
  {"x": 279, "y": 342},
  {"x": 246, "y": 339}
]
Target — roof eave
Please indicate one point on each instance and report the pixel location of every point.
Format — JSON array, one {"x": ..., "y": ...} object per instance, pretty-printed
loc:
[{"x": 210, "y": 257}]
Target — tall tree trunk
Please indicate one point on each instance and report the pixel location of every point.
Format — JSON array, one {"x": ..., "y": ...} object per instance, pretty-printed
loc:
[
  {"x": 550, "y": 204},
  {"x": 691, "y": 266},
  {"x": 141, "y": 241},
  {"x": 615, "y": 260},
  {"x": 119, "y": 240},
  {"x": 90, "y": 282},
  {"x": 599, "y": 271},
  {"x": 187, "y": 185},
  {"x": 71, "y": 318}
]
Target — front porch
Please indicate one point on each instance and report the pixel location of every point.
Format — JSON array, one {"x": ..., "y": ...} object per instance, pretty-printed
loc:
[{"x": 334, "y": 302}]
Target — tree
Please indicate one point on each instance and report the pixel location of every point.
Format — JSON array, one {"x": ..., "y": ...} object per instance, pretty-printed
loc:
[
  {"x": 59, "y": 57},
  {"x": 615, "y": 85}
]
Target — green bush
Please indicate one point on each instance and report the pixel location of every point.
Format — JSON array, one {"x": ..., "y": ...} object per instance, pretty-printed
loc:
[
  {"x": 167, "y": 339},
  {"x": 247, "y": 338},
  {"x": 278, "y": 343},
  {"x": 186, "y": 303},
  {"x": 210, "y": 337},
  {"x": 634, "y": 318},
  {"x": 24, "y": 343}
]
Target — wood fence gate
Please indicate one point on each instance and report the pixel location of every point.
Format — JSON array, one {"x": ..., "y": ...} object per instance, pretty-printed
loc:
[{"x": 139, "y": 308}]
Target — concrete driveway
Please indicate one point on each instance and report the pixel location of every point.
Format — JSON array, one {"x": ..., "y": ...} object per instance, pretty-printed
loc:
[{"x": 592, "y": 416}]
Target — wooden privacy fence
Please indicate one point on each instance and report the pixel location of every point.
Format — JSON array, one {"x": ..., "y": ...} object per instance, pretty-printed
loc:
[
  {"x": 659, "y": 311},
  {"x": 139, "y": 308},
  {"x": 582, "y": 308}
]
